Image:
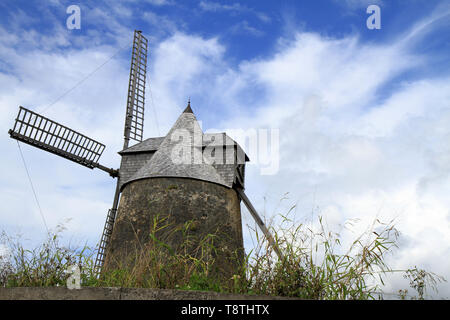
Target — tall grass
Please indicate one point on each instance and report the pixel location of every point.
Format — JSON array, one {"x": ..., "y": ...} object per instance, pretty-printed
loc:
[
  {"x": 156, "y": 264},
  {"x": 316, "y": 264},
  {"x": 45, "y": 265}
]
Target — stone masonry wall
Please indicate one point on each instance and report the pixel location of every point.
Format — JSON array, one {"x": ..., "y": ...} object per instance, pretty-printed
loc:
[{"x": 210, "y": 208}]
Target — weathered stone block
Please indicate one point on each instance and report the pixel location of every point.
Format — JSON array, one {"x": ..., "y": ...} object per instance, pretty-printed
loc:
[{"x": 198, "y": 207}]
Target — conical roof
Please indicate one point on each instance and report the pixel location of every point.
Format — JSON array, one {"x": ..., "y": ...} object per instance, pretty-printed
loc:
[
  {"x": 188, "y": 108},
  {"x": 180, "y": 154}
]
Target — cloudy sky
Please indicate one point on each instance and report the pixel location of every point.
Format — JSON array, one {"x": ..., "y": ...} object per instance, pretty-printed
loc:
[{"x": 363, "y": 115}]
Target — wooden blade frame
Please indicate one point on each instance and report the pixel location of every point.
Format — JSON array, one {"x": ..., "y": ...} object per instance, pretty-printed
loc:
[
  {"x": 259, "y": 222},
  {"x": 104, "y": 241},
  {"x": 134, "y": 120},
  {"x": 134, "y": 129},
  {"x": 43, "y": 133}
]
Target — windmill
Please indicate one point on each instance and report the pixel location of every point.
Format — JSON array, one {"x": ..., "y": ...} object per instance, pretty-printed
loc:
[{"x": 41, "y": 132}]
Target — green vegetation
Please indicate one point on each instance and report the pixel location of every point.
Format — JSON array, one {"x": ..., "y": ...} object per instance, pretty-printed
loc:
[
  {"x": 45, "y": 265},
  {"x": 155, "y": 264},
  {"x": 315, "y": 266}
]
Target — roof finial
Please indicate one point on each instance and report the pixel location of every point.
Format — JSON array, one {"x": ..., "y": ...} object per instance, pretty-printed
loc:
[{"x": 188, "y": 108}]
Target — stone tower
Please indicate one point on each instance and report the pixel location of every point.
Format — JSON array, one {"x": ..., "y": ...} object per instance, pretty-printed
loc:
[{"x": 185, "y": 179}]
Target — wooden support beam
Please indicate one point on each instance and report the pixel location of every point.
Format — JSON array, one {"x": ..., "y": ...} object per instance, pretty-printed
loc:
[{"x": 259, "y": 222}]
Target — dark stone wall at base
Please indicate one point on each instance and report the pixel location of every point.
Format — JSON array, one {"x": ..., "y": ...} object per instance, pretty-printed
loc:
[
  {"x": 88, "y": 293},
  {"x": 209, "y": 208}
]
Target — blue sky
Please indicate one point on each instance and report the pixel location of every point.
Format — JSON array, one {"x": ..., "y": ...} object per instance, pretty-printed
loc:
[{"x": 362, "y": 114}]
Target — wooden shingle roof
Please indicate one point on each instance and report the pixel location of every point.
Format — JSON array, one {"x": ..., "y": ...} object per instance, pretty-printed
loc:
[{"x": 168, "y": 161}]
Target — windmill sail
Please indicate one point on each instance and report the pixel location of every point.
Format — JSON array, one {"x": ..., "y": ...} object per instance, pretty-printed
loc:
[
  {"x": 134, "y": 128},
  {"x": 48, "y": 135},
  {"x": 104, "y": 241},
  {"x": 43, "y": 133},
  {"x": 134, "y": 120}
]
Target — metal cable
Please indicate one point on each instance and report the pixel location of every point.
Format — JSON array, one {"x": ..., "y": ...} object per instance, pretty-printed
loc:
[
  {"x": 152, "y": 103},
  {"x": 154, "y": 110},
  {"x": 85, "y": 78},
  {"x": 32, "y": 187}
]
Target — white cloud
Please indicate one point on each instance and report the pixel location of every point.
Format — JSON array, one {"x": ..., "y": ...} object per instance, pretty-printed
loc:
[
  {"x": 156, "y": 2},
  {"x": 162, "y": 24},
  {"x": 244, "y": 27},
  {"x": 160, "y": 2},
  {"x": 234, "y": 7},
  {"x": 215, "y": 6},
  {"x": 344, "y": 147},
  {"x": 348, "y": 147},
  {"x": 358, "y": 4}
]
